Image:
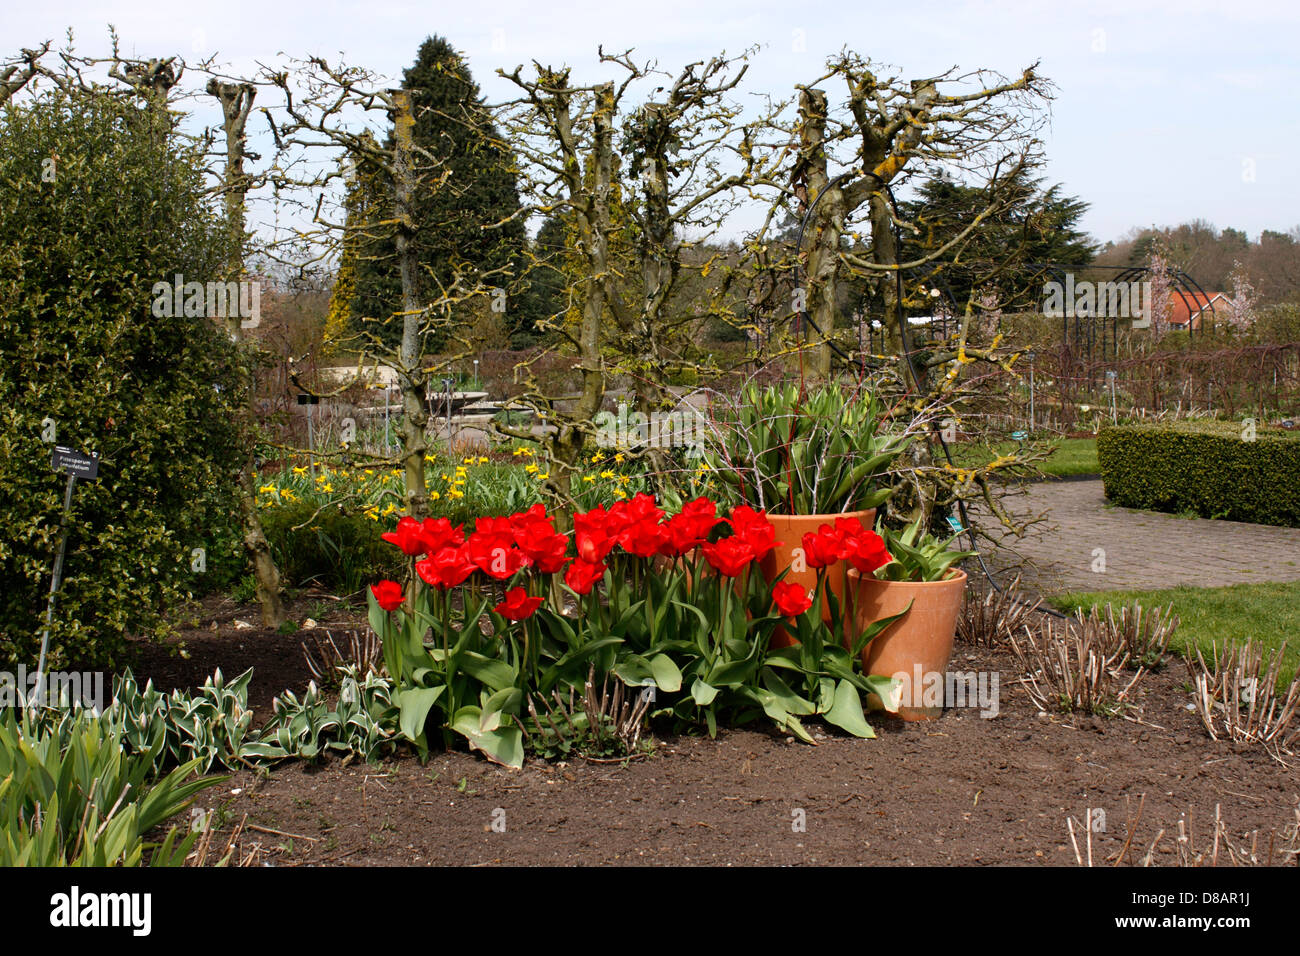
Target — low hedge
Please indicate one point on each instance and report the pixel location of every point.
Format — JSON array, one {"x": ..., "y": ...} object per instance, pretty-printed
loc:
[{"x": 1208, "y": 468}]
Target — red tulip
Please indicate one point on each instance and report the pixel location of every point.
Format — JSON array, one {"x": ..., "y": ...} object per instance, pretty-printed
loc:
[
  {"x": 439, "y": 533},
  {"x": 728, "y": 556},
  {"x": 518, "y": 605},
  {"x": 545, "y": 549},
  {"x": 790, "y": 599},
  {"x": 642, "y": 507},
  {"x": 592, "y": 536},
  {"x": 446, "y": 568},
  {"x": 869, "y": 553},
  {"x": 823, "y": 548},
  {"x": 535, "y": 517},
  {"x": 409, "y": 536},
  {"x": 701, "y": 515},
  {"x": 680, "y": 534},
  {"x": 388, "y": 594},
  {"x": 754, "y": 529},
  {"x": 581, "y": 576},
  {"x": 643, "y": 538}
]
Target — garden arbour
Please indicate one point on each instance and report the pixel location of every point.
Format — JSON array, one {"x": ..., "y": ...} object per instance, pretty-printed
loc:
[{"x": 492, "y": 620}]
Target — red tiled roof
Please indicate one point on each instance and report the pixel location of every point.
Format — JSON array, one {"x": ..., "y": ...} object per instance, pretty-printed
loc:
[{"x": 1185, "y": 306}]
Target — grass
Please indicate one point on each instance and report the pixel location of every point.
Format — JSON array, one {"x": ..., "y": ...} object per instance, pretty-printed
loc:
[
  {"x": 1268, "y": 613},
  {"x": 1072, "y": 456}
]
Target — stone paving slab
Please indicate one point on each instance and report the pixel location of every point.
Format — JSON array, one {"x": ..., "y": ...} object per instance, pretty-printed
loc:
[{"x": 1142, "y": 550}]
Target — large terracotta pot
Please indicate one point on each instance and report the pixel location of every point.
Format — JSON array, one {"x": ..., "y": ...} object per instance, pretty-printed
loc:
[
  {"x": 790, "y": 530},
  {"x": 921, "y": 637}
]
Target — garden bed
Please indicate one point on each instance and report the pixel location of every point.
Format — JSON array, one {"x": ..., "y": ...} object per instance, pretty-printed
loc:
[{"x": 958, "y": 790}]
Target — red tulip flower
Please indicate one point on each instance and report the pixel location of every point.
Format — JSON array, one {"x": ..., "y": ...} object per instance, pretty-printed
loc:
[
  {"x": 592, "y": 535},
  {"x": 679, "y": 536},
  {"x": 409, "y": 536},
  {"x": 388, "y": 594},
  {"x": 700, "y": 515},
  {"x": 869, "y": 553},
  {"x": 544, "y": 549},
  {"x": 790, "y": 599},
  {"x": 754, "y": 529},
  {"x": 823, "y": 548},
  {"x": 518, "y": 605},
  {"x": 581, "y": 576},
  {"x": 446, "y": 568},
  {"x": 642, "y": 538},
  {"x": 533, "y": 521},
  {"x": 439, "y": 533},
  {"x": 729, "y": 556}
]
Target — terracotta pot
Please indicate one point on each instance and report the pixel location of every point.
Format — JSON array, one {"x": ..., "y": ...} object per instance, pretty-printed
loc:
[
  {"x": 790, "y": 530},
  {"x": 920, "y": 642}
]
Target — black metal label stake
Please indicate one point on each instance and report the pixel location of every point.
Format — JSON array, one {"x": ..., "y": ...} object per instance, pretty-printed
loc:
[{"x": 75, "y": 465}]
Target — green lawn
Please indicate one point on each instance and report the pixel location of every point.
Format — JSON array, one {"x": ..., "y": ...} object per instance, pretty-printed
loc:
[
  {"x": 1073, "y": 456},
  {"x": 1269, "y": 613}
]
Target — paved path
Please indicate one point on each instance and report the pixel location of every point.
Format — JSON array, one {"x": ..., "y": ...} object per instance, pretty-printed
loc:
[{"x": 1092, "y": 546}]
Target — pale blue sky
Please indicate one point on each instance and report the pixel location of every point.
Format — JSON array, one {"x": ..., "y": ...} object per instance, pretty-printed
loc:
[{"x": 1165, "y": 111}]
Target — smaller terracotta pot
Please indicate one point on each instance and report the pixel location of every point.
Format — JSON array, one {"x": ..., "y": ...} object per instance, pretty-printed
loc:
[
  {"x": 918, "y": 644},
  {"x": 790, "y": 530}
]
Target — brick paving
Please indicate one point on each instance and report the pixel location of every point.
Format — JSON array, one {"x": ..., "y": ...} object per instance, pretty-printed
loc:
[{"x": 1142, "y": 549}]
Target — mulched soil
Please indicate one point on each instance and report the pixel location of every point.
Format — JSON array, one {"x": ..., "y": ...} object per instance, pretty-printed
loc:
[{"x": 957, "y": 790}]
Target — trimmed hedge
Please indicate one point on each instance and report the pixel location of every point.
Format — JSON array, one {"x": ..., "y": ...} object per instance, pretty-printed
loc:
[{"x": 1204, "y": 467}]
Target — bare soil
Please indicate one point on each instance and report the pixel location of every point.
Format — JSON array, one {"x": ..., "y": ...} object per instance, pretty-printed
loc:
[{"x": 957, "y": 790}]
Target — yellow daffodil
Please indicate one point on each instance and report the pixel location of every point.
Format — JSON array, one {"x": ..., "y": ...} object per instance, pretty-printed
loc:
[
  {"x": 588, "y": 478},
  {"x": 288, "y": 495},
  {"x": 531, "y": 469},
  {"x": 327, "y": 488},
  {"x": 597, "y": 458},
  {"x": 543, "y": 476},
  {"x": 299, "y": 471},
  {"x": 623, "y": 479},
  {"x": 390, "y": 509},
  {"x": 434, "y": 496},
  {"x": 618, "y": 459},
  {"x": 620, "y": 493},
  {"x": 482, "y": 459},
  {"x": 608, "y": 474},
  {"x": 455, "y": 494},
  {"x": 266, "y": 490}
]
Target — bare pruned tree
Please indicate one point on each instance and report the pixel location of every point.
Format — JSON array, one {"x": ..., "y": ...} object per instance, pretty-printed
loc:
[{"x": 330, "y": 106}]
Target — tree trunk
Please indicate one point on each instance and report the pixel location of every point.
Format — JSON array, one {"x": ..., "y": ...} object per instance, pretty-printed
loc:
[
  {"x": 236, "y": 104},
  {"x": 413, "y": 379},
  {"x": 826, "y": 227}
]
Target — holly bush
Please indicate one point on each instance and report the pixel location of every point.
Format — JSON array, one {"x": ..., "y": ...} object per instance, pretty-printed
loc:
[{"x": 100, "y": 199}]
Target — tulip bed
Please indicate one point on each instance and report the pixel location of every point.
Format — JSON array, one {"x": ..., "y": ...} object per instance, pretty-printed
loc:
[{"x": 490, "y": 623}]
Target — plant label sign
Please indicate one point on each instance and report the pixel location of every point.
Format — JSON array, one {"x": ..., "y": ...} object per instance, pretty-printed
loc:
[
  {"x": 955, "y": 524},
  {"x": 308, "y": 399},
  {"x": 76, "y": 463}
]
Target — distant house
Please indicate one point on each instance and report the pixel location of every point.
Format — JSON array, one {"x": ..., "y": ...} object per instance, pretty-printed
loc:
[{"x": 1188, "y": 308}]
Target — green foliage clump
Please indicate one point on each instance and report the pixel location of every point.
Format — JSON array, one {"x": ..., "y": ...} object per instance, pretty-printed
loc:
[
  {"x": 71, "y": 795},
  {"x": 1212, "y": 469},
  {"x": 330, "y": 547},
  {"x": 100, "y": 200}
]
